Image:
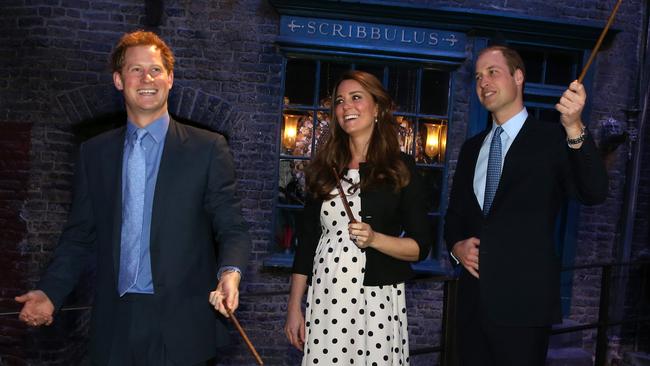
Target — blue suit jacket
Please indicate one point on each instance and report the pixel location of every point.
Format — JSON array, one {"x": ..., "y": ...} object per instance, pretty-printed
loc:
[{"x": 194, "y": 207}]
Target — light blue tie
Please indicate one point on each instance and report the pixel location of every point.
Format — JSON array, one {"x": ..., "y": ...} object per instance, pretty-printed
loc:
[
  {"x": 132, "y": 213},
  {"x": 493, "y": 170}
]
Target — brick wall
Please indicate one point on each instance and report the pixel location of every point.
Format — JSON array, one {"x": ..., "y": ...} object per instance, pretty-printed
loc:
[{"x": 55, "y": 90}]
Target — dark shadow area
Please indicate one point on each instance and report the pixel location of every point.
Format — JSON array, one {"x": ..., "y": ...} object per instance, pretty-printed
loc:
[{"x": 92, "y": 127}]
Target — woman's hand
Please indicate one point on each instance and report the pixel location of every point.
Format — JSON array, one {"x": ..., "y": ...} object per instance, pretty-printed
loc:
[
  {"x": 294, "y": 328},
  {"x": 361, "y": 234}
]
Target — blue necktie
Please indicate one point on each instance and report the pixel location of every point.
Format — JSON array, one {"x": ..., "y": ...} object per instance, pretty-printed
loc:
[
  {"x": 132, "y": 213},
  {"x": 493, "y": 170}
]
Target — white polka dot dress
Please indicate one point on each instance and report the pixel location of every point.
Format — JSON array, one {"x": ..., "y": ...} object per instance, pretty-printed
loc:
[{"x": 348, "y": 323}]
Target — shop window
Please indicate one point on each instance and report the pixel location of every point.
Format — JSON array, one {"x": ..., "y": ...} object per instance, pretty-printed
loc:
[
  {"x": 549, "y": 66},
  {"x": 549, "y": 71},
  {"x": 421, "y": 94}
]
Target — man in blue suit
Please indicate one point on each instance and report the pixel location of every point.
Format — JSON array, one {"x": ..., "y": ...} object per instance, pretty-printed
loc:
[
  {"x": 150, "y": 200},
  {"x": 510, "y": 182}
]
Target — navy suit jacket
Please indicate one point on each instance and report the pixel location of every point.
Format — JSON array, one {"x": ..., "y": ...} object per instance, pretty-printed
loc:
[
  {"x": 194, "y": 207},
  {"x": 519, "y": 269}
]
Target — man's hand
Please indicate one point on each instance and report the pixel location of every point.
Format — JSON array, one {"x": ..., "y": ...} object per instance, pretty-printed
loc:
[
  {"x": 228, "y": 289},
  {"x": 37, "y": 308},
  {"x": 466, "y": 251},
  {"x": 570, "y": 107},
  {"x": 294, "y": 328}
]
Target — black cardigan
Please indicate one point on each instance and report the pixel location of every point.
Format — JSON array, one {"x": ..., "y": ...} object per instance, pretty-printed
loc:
[{"x": 387, "y": 212}]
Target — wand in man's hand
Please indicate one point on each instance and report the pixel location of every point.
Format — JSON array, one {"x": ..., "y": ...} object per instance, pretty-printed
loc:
[
  {"x": 599, "y": 42},
  {"x": 243, "y": 334}
]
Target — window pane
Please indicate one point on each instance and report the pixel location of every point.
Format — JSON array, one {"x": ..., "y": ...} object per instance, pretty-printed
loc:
[
  {"x": 402, "y": 82},
  {"x": 376, "y": 70},
  {"x": 559, "y": 68},
  {"x": 432, "y": 179},
  {"x": 405, "y": 133},
  {"x": 296, "y": 133},
  {"x": 299, "y": 82},
  {"x": 285, "y": 229},
  {"x": 291, "y": 182},
  {"x": 322, "y": 128},
  {"x": 534, "y": 63},
  {"x": 431, "y": 142},
  {"x": 434, "y": 92},
  {"x": 330, "y": 73}
]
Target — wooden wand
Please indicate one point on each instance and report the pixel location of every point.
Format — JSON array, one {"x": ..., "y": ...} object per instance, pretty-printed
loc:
[
  {"x": 243, "y": 334},
  {"x": 599, "y": 42},
  {"x": 342, "y": 195}
]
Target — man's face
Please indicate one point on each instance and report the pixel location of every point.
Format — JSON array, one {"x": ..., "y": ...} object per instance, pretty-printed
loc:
[
  {"x": 145, "y": 83},
  {"x": 498, "y": 90}
]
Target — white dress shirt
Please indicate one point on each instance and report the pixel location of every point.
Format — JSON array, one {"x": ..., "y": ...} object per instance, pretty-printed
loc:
[{"x": 511, "y": 128}]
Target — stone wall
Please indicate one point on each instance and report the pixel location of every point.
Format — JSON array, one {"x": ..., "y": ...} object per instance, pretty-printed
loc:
[{"x": 56, "y": 90}]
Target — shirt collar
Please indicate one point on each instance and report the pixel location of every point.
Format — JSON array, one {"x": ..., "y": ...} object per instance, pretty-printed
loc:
[
  {"x": 156, "y": 129},
  {"x": 512, "y": 126}
]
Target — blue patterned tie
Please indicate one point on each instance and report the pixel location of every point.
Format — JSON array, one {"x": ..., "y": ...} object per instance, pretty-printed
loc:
[
  {"x": 493, "y": 170},
  {"x": 132, "y": 213}
]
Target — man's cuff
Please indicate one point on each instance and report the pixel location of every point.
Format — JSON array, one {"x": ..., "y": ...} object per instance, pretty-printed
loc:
[
  {"x": 225, "y": 269},
  {"x": 454, "y": 258}
]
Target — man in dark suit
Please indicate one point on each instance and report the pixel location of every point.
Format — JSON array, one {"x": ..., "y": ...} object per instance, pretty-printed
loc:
[
  {"x": 150, "y": 201},
  {"x": 509, "y": 185}
]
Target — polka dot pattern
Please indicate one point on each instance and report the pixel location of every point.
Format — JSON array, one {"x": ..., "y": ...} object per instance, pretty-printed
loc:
[{"x": 346, "y": 322}]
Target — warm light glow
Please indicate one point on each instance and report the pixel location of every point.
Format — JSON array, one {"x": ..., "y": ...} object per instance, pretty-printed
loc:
[
  {"x": 442, "y": 138},
  {"x": 432, "y": 146},
  {"x": 436, "y": 143},
  {"x": 290, "y": 130}
]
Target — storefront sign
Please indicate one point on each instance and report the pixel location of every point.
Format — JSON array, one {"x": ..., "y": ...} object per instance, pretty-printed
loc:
[{"x": 370, "y": 36}]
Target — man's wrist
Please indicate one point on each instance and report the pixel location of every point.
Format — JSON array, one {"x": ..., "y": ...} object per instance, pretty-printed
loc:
[
  {"x": 574, "y": 140},
  {"x": 575, "y": 130},
  {"x": 452, "y": 255},
  {"x": 226, "y": 269}
]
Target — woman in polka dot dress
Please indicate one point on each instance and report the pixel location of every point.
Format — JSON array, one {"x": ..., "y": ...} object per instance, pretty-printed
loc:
[{"x": 356, "y": 310}]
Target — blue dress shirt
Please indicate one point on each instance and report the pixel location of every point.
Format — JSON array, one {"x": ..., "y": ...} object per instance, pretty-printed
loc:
[{"x": 153, "y": 144}]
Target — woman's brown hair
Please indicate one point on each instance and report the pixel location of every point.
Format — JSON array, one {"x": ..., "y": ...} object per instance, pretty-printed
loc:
[{"x": 383, "y": 156}]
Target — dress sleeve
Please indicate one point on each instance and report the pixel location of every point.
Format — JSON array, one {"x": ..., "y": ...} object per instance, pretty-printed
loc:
[
  {"x": 309, "y": 231},
  {"x": 413, "y": 208}
]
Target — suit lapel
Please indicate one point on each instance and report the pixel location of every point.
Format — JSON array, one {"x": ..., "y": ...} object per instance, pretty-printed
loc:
[
  {"x": 170, "y": 165},
  {"x": 474, "y": 149},
  {"x": 114, "y": 155}
]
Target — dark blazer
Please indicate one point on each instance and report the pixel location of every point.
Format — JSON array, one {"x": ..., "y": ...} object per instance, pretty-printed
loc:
[
  {"x": 519, "y": 268},
  {"x": 194, "y": 206},
  {"x": 387, "y": 212}
]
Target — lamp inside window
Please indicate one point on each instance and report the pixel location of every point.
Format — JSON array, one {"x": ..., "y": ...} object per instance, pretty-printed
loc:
[
  {"x": 433, "y": 142},
  {"x": 290, "y": 132}
]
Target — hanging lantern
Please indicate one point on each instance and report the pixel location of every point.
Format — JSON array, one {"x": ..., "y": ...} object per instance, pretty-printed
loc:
[
  {"x": 432, "y": 146},
  {"x": 290, "y": 130},
  {"x": 436, "y": 141}
]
